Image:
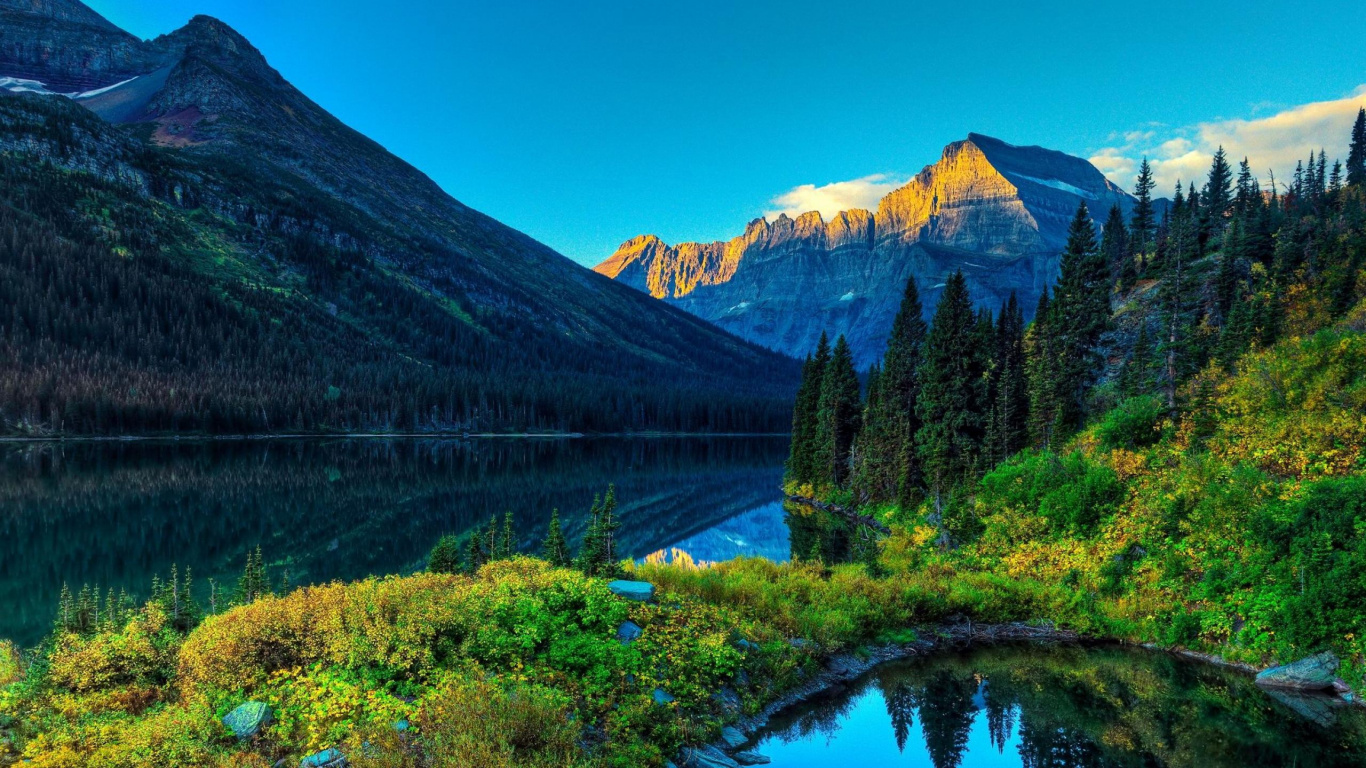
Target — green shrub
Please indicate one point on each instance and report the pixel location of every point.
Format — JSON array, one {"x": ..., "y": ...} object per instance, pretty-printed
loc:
[
  {"x": 1072, "y": 491},
  {"x": 1134, "y": 423}
]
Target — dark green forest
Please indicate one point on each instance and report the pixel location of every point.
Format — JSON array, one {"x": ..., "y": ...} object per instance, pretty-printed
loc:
[{"x": 148, "y": 291}]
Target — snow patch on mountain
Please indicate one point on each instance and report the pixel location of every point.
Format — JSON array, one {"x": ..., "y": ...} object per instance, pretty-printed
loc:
[{"x": 1058, "y": 184}]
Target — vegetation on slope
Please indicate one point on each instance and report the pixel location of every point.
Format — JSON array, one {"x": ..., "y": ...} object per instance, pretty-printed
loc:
[
  {"x": 1178, "y": 441},
  {"x": 154, "y": 290}
]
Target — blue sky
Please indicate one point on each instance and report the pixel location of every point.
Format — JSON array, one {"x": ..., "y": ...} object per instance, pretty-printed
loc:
[{"x": 584, "y": 124}]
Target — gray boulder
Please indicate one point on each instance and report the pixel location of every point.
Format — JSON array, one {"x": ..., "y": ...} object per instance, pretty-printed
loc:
[
  {"x": 662, "y": 697},
  {"x": 705, "y": 757},
  {"x": 328, "y": 758},
  {"x": 1315, "y": 673},
  {"x": 248, "y": 719},
  {"x": 732, "y": 737},
  {"x": 640, "y": 591},
  {"x": 628, "y": 632},
  {"x": 751, "y": 758}
]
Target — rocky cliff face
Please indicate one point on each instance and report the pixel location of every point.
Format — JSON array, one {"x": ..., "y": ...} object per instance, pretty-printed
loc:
[{"x": 996, "y": 211}]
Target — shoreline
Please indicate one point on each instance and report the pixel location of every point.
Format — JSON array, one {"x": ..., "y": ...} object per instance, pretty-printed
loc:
[
  {"x": 179, "y": 438},
  {"x": 843, "y": 668}
]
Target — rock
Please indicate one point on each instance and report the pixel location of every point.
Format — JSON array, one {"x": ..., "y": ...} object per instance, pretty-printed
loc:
[
  {"x": 662, "y": 697},
  {"x": 751, "y": 758},
  {"x": 732, "y": 737},
  {"x": 640, "y": 591},
  {"x": 328, "y": 758},
  {"x": 742, "y": 677},
  {"x": 747, "y": 646},
  {"x": 728, "y": 700},
  {"x": 247, "y": 720},
  {"x": 1314, "y": 673},
  {"x": 628, "y": 632},
  {"x": 401, "y": 725},
  {"x": 705, "y": 757},
  {"x": 799, "y": 643}
]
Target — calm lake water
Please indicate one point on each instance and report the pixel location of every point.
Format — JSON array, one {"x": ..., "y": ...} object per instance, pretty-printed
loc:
[
  {"x": 1032, "y": 707},
  {"x": 116, "y": 513}
]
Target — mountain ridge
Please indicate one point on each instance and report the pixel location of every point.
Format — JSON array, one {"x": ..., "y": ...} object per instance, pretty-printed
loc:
[
  {"x": 196, "y": 129},
  {"x": 995, "y": 210}
]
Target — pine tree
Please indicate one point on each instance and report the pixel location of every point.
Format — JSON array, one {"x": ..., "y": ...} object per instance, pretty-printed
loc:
[
  {"x": 839, "y": 415},
  {"x": 1143, "y": 225},
  {"x": 1080, "y": 314},
  {"x": 66, "y": 611},
  {"x": 816, "y": 454},
  {"x": 475, "y": 554},
  {"x": 801, "y": 462},
  {"x": 556, "y": 548},
  {"x": 509, "y": 540},
  {"x": 1226, "y": 281},
  {"x": 1217, "y": 199},
  {"x": 1042, "y": 367},
  {"x": 886, "y": 468},
  {"x": 1114, "y": 248},
  {"x": 253, "y": 585},
  {"x": 1356, "y": 153},
  {"x": 445, "y": 556},
  {"x": 598, "y": 554},
  {"x": 1008, "y": 392},
  {"x": 952, "y": 398},
  {"x": 1136, "y": 378}
]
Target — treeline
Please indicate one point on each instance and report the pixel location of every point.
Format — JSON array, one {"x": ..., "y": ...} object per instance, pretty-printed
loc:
[
  {"x": 1226, "y": 268},
  {"x": 598, "y": 552},
  {"x": 196, "y": 301}
]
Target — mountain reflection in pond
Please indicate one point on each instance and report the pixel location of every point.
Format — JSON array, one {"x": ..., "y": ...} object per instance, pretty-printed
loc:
[
  {"x": 116, "y": 513},
  {"x": 1066, "y": 707}
]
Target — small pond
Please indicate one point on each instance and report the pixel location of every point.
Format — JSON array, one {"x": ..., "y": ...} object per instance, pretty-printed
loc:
[{"x": 1060, "y": 707}]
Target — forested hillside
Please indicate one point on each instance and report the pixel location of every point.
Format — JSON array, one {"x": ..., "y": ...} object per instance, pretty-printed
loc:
[
  {"x": 148, "y": 290},
  {"x": 1179, "y": 438}
]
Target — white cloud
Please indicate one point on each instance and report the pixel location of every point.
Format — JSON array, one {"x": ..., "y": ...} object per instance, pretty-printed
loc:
[
  {"x": 832, "y": 198},
  {"x": 1272, "y": 144}
]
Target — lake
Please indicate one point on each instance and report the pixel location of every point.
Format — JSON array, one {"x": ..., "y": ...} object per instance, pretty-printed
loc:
[
  {"x": 1062, "y": 707},
  {"x": 116, "y": 513}
]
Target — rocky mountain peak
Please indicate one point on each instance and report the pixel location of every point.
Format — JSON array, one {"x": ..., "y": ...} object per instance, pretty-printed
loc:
[{"x": 995, "y": 210}]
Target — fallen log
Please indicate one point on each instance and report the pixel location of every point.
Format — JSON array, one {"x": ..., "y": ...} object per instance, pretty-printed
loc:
[{"x": 852, "y": 515}]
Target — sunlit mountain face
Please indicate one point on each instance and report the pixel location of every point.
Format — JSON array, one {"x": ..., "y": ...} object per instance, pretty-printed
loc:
[{"x": 996, "y": 211}]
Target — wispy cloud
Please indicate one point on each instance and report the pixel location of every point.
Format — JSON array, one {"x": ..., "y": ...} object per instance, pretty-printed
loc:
[
  {"x": 1271, "y": 144},
  {"x": 832, "y": 198}
]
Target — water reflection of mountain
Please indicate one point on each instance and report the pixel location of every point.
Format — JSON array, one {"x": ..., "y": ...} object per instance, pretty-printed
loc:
[
  {"x": 759, "y": 532},
  {"x": 117, "y": 512},
  {"x": 1061, "y": 708}
]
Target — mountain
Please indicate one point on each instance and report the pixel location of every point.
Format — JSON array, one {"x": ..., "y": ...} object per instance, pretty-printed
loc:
[
  {"x": 994, "y": 210},
  {"x": 330, "y": 285}
]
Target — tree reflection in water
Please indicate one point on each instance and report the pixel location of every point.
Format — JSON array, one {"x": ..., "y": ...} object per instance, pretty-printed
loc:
[{"x": 1061, "y": 707}]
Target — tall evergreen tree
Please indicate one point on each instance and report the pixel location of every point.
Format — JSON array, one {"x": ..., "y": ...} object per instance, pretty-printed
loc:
[
  {"x": 839, "y": 415},
  {"x": 1217, "y": 199},
  {"x": 475, "y": 554},
  {"x": 445, "y": 556},
  {"x": 951, "y": 405},
  {"x": 598, "y": 555},
  {"x": 1143, "y": 225},
  {"x": 556, "y": 548},
  {"x": 1136, "y": 378},
  {"x": 1008, "y": 392},
  {"x": 1114, "y": 248},
  {"x": 1356, "y": 152},
  {"x": 888, "y": 466},
  {"x": 800, "y": 462},
  {"x": 1043, "y": 366},
  {"x": 1080, "y": 313}
]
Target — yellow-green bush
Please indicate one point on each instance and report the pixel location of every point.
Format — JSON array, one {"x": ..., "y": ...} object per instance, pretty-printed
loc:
[{"x": 9, "y": 663}]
